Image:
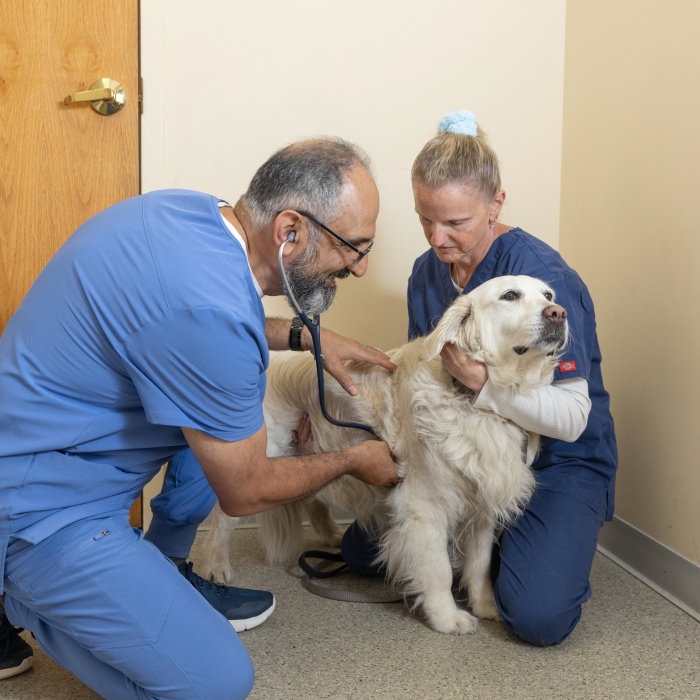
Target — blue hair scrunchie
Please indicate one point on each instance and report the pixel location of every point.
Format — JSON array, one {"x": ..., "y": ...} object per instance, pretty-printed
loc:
[{"x": 460, "y": 122}]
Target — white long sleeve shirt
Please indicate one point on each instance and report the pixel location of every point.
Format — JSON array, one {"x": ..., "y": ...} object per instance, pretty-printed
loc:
[{"x": 559, "y": 410}]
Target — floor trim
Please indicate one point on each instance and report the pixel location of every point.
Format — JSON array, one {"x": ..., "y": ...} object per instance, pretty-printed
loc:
[{"x": 667, "y": 572}]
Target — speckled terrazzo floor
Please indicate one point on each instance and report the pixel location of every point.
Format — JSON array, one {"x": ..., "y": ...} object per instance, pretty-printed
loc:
[{"x": 630, "y": 644}]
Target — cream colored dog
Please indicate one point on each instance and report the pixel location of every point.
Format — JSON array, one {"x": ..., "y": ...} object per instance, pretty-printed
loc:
[{"x": 465, "y": 470}]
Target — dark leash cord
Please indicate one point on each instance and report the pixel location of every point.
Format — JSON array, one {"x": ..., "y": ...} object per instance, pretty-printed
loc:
[{"x": 323, "y": 570}]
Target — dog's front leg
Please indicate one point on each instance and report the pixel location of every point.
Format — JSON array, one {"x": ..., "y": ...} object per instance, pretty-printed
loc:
[
  {"x": 415, "y": 551},
  {"x": 476, "y": 572},
  {"x": 323, "y": 522},
  {"x": 282, "y": 533},
  {"x": 217, "y": 564}
]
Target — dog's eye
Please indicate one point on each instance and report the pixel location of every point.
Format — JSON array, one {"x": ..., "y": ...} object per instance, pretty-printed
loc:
[
  {"x": 548, "y": 296},
  {"x": 510, "y": 295}
]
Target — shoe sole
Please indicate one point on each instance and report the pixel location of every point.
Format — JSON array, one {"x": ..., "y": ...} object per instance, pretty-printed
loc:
[
  {"x": 243, "y": 625},
  {"x": 16, "y": 670}
]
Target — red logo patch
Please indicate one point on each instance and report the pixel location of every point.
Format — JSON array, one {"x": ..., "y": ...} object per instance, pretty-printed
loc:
[{"x": 567, "y": 366}]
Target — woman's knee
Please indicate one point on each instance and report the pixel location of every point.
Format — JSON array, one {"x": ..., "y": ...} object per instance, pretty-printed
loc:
[
  {"x": 542, "y": 627},
  {"x": 541, "y": 615}
]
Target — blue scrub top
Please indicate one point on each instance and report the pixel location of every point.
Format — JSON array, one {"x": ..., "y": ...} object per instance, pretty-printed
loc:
[
  {"x": 584, "y": 469},
  {"x": 147, "y": 319}
]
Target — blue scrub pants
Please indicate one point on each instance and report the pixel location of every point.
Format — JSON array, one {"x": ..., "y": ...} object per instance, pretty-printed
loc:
[
  {"x": 541, "y": 565},
  {"x": 183, "y": 503},
  {"x": 108, "y": 606}
]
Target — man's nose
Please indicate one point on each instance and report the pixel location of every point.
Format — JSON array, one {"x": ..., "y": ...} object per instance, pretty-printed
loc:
[{"x": 359, "y": 269}]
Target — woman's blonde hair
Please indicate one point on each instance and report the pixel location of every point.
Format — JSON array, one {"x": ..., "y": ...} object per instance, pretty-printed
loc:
[{"x": 458, "y": 158}]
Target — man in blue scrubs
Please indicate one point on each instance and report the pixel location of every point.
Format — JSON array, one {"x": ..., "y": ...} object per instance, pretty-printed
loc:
[{"x": 143, "y": 336}]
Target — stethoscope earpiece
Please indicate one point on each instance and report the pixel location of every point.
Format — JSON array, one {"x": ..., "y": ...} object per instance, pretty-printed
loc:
[{"x": 291, "y": 236}]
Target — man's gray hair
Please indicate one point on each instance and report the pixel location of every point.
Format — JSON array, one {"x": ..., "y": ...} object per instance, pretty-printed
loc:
[{"x": 307, "y": 176}]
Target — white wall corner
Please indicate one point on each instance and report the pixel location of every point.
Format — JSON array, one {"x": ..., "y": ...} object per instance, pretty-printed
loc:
[{"x": 667, "y": 572}]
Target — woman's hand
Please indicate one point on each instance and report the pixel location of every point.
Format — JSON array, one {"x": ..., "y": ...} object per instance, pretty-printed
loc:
[{"x": 472, "y": 373}]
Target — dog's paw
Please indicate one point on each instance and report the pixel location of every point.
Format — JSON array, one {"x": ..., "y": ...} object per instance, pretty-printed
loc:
[
  {"x": 486, "y": 610},
  {"x": 333, "y": 538},
  {"x": 218, "y": 572},
  {"x": 453, "y": 622},
  {"x": 482, "y": 603}
]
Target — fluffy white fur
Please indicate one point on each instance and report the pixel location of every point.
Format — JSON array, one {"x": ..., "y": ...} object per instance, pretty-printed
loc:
[{"x": 465, "y": 470}]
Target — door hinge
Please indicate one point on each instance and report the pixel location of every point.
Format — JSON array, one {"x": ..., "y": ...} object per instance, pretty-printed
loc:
[{"x": 140, "y": 98}]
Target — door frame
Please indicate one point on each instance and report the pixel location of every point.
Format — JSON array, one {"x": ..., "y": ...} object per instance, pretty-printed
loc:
[{"x": 151, "y": 19}]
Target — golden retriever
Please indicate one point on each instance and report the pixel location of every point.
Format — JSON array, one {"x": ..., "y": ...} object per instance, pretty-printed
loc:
[{"x": 465, "y": 471}]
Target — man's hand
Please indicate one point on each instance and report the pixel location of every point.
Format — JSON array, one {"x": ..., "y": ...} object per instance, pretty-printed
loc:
[
  {"x": 376, "y": 465},
  {"x": 339, "y": 351},
  {"x": 303, "y": 436},
  {"x": 472, "y": 373}
]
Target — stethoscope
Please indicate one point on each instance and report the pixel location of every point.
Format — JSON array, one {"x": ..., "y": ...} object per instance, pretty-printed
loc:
[{"x": 314, "y": 327}]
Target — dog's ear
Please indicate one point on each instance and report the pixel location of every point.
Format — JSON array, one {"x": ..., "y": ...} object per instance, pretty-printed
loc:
[{"x": 458, "y": 325}]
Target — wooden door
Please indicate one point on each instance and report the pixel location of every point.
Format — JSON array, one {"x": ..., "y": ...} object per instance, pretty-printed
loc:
[{"x": 60, "y": 164}]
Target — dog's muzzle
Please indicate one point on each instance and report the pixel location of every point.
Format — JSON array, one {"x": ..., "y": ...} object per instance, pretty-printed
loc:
[
  {"x": 553, "y": 330},
  {"x": 554, "y": 326}
]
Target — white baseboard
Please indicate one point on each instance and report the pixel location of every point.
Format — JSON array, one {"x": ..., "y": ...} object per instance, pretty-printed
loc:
[{"x": 667, "y": 572}]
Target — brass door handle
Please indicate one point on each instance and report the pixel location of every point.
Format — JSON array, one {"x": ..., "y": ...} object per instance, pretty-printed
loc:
[{"x": 106, "y": 96}]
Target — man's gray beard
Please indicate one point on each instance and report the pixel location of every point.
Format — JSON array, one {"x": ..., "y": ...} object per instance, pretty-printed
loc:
[{"x": 307, "y": 286}]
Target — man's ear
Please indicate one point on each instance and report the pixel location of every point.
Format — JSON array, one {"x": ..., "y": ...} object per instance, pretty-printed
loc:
[{"x": 285, "y": 229}]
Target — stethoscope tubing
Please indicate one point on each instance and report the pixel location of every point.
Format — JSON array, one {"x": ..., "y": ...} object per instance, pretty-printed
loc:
[{"x": 314, "y": 327}]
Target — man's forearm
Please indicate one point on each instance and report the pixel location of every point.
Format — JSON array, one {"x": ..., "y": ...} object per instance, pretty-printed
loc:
[
  {"x": 277, "y": 334},
  {"x": 246, "y": 481},
  {"x": 285, "y": 480}
]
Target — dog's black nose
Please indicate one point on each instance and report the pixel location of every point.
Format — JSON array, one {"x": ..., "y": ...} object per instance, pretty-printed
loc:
[{"x": 555, "y": 314}]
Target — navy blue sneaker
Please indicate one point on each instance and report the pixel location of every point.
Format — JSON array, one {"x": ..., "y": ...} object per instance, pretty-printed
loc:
[
  {"x": 242, "y": 607},
  {"x": 16, "y": 656}
]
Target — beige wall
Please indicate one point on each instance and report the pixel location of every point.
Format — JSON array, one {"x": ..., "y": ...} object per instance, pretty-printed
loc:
[
  {"x": 630, "y": 182},
  {"x": 226, "y": 83}
]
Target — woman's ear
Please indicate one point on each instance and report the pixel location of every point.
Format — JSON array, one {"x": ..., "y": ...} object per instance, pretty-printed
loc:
[{"x": 496, "y": 205}]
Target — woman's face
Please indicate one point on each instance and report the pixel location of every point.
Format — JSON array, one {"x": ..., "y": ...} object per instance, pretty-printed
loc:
[{"x": 456, "y": 220}]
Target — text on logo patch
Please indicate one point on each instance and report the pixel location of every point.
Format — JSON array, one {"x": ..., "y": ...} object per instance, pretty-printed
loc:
[{"x": 567, "y": 366}]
